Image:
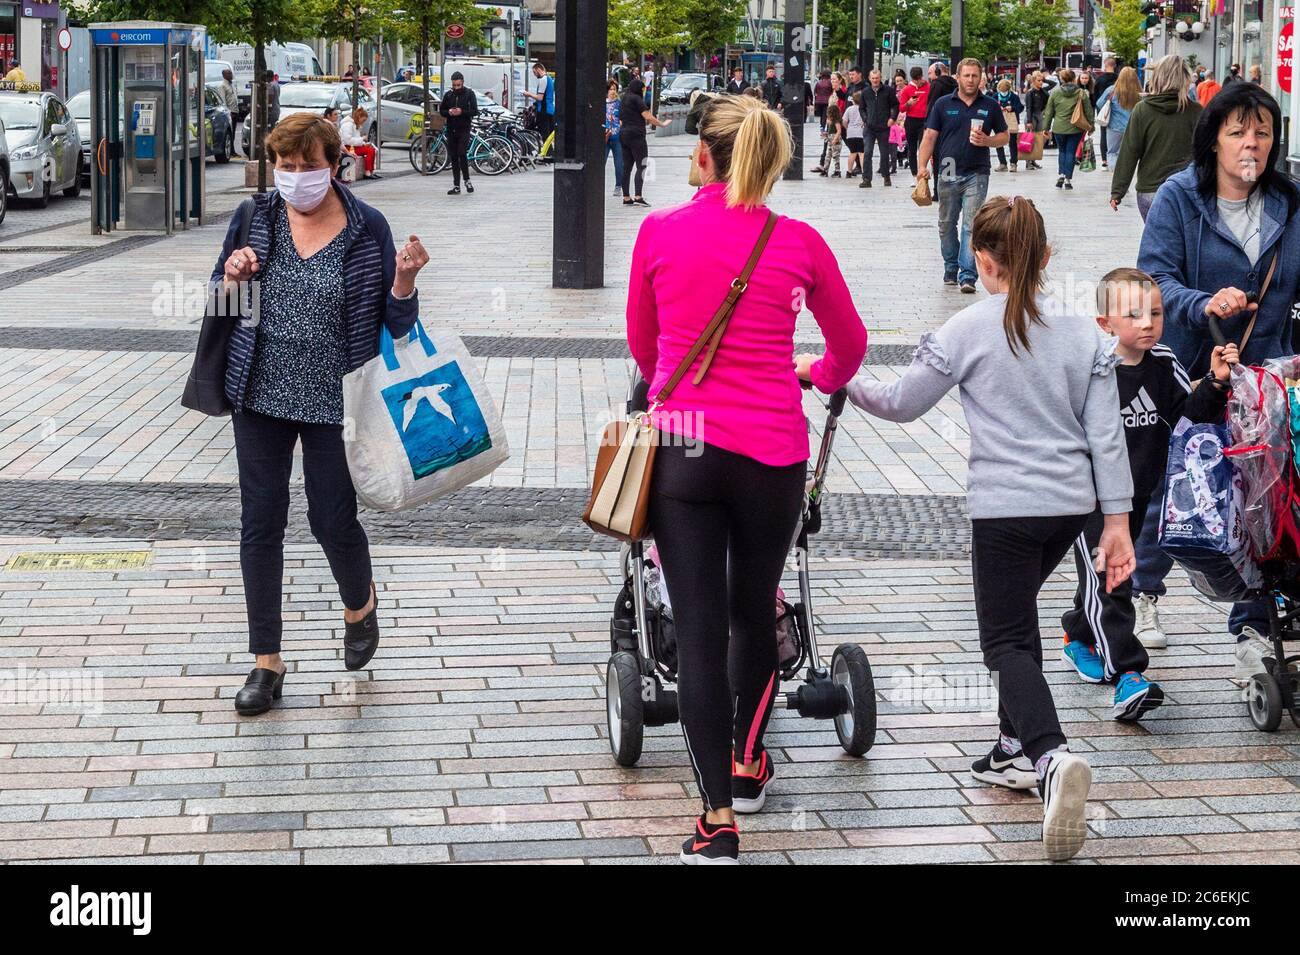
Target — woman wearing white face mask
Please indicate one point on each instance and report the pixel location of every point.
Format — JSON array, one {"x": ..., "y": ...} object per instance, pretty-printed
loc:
[{"x": 304, "y": 327}]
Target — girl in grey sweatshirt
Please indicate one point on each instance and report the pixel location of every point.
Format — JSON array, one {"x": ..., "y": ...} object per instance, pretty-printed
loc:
[{"x": 1047, "y": 446}]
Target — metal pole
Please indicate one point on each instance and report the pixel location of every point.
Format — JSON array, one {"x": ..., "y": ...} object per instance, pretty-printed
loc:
[
  {"x": 958, "y": 34},
  {"x": 867, "y": 34},
  {"x": 813, "y": 63},
  {"x": 578, "y": 210},
  {"x": 379, "y": 99},
  {"x": 442, "y": 63},
  {"x": 796, "y": 55},
  {"x": 424, "y": 104},
  {"x": 510, "y": 82}
]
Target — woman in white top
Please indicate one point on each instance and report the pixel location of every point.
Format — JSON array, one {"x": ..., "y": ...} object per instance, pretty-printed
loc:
[{"x": 354, "y": 143}]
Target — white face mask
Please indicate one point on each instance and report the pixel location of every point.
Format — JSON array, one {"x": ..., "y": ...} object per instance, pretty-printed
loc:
[{"x": 303, "y": 190}]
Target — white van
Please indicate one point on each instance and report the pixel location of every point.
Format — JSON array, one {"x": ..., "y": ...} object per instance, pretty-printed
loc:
[
  {"x": 285, "y": 59},
  {"x": 484, "y": 75}
]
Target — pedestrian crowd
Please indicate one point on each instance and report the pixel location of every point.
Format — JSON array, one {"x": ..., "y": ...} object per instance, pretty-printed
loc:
[{"x": 1069, "y": 408}]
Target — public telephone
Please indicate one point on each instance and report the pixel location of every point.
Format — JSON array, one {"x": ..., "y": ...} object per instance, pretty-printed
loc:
[
  {"x": 143, "y": 135},
  {"x": 146, "y": 93}
]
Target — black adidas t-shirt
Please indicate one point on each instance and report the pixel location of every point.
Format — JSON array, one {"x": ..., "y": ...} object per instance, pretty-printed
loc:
[{"x": 1153, "y": 396}]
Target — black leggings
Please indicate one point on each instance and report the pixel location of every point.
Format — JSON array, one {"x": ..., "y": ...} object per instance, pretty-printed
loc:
[
  {"x": 723, "y": 525},
  {"x": 1011, "y": 559},
  {"x": 634, "y": 151},
  {"x": 458, "y": 150}
]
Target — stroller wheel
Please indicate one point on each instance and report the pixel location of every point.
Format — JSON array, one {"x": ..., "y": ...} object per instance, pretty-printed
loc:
[
  {"x": 1264, "y": 702},
  {"x": 623, "y": 708},
  {"x": 856, "y": 727}
]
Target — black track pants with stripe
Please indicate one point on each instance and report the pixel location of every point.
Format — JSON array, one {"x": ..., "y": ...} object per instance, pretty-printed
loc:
[{"x": 1105, "y": 620}]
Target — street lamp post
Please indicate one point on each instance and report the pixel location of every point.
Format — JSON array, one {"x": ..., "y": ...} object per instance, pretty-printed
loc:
[
  {"x": 796, "y": 53},
  {"x": 578, "y": 212}
]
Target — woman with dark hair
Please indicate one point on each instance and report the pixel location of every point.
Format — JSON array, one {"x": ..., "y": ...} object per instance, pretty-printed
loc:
[
  {"x": 1223, "y": 239},
  {"x": 612, "y": 126},
  {"x": 634, "y": 115}
]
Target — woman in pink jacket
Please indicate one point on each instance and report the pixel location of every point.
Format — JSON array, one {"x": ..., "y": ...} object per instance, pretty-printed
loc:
[{"x": 730, "y": 471}]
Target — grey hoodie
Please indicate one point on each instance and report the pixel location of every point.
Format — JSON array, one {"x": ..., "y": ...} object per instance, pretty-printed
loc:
[{"x": 1046, "y": 436}]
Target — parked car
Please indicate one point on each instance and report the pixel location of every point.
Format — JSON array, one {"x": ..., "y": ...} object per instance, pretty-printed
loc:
[
  {"x": 44, "y": 146},
  {"x": 218, "y": 126},
  {"x": 314, "y": 97},
  {"x": 682, "y": 86},
  {"x": 4, "y": 173},
  {"x": 283, "y": 59},
  {"x": 401, "y": 101}
]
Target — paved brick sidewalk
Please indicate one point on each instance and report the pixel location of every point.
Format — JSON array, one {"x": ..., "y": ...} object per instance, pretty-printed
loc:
[{"x": 479, "y": 730}]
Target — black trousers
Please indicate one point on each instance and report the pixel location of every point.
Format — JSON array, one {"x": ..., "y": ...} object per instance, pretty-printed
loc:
[
  {"x": 264, "y": 451},
  {"x": 635, "y": 151},
  {"x": 1011, "y": 558},
  {"x": 1105, "y": 620},
  {"x": 1103, "y": 142},
  {"x": 723, "y": 525},
  {"x": 914, "y": 126},
  {"x": 873, "y": 136},
  {"x": 545, "y": 126},
  {"x": 458, "y": 151}
]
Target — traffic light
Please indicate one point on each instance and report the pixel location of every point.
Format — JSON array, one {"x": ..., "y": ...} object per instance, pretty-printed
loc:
[
  {"x": 519, "y": 36},
  {"x": 885, "y": 43}
]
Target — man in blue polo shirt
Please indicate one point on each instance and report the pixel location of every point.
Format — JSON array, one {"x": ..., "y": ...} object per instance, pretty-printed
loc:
[{"x": 959, "y": 131}]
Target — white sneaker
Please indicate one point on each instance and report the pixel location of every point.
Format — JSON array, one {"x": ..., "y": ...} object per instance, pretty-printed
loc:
[
  {"x": 1065, "y": 805},
  {"x": 1250, "y": 656},
  {"x": 1147, "y": 626}
]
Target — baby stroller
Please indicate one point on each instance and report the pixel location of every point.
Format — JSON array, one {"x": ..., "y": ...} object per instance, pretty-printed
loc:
[
  {"x": 1257, "y": 500},
  {"x": 643, "y": 648}
]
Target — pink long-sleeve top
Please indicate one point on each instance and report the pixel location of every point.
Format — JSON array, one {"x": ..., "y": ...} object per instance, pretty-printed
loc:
[{"x": 749, "y": 401}]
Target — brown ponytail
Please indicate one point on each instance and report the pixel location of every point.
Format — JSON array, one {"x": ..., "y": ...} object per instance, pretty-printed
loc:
[{"x": 1010, "y": 231}]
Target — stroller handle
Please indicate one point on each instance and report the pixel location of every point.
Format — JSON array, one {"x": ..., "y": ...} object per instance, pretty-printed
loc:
[
  {"x": 1216, "y": 331},
  {"x": 839, "y": 397}
]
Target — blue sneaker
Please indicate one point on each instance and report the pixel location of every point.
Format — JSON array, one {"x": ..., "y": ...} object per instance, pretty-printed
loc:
[
  {"x": 1085, "y": 661},
  {"x": 1135, "y": 696}
]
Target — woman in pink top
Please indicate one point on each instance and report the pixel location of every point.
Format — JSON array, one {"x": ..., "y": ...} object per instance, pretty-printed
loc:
[
  {"x": 730, "y": 471},
  {"x": 914, "y": 101}
]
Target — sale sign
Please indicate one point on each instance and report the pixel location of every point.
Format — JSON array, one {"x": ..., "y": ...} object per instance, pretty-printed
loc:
[{"x": 1284, "y": 46}]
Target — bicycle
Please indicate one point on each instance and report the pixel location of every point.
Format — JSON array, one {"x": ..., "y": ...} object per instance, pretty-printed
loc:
[{"x": 490, "y": 155}]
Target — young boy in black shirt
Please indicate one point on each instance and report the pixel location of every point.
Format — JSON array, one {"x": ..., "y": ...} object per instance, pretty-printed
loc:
[{"x": 1154, "y": 393}]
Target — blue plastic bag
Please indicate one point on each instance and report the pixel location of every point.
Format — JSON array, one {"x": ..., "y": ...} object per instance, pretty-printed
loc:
[{"x": 1201, "y": 522}]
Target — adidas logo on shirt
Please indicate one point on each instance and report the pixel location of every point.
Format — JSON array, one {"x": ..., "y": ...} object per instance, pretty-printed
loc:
[{"x": 1141, "y": 411}]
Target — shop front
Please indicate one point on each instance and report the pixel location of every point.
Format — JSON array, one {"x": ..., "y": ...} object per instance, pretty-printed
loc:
[{"x": 29, "y": 38}]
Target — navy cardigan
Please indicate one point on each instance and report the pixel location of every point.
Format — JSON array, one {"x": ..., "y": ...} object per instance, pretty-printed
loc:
[{"x": 370, "y": 265}]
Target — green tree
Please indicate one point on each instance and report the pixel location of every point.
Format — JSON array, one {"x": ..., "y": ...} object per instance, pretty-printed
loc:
[
  {"x": 656, "y": 27},
  {"x": 1037, "y": 20},
  {"x": 1126, "y": 31},
  {"x": 711, "y": 25}
]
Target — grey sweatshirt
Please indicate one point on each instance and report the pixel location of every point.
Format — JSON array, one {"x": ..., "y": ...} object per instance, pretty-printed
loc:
[{"x": 1047, "y": 438}]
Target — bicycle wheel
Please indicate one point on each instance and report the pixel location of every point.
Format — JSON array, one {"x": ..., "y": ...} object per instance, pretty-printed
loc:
[
  {"x": 491, "y": 156},
  {"x": 438, "y": 158}
]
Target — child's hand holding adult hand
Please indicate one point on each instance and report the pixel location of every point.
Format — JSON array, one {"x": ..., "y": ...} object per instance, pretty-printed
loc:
[{"x": 1115, "y": 551}]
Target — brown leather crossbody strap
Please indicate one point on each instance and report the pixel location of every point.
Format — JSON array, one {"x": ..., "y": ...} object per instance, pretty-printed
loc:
[
  {"x": 712, "y": 333},
  {"x": 1259, "y": 301}
]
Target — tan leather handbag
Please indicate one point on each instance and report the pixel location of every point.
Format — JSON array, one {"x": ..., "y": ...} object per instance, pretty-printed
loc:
[{"x": 620, "y": 488}]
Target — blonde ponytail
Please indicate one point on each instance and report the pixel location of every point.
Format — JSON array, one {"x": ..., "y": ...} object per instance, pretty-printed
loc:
[{"x": 750, "y": 145}]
